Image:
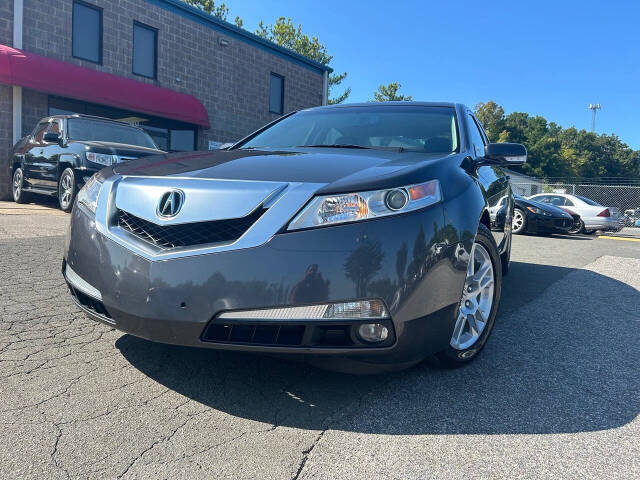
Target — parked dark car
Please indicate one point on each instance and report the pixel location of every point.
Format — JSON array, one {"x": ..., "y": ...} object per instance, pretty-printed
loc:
[
  {"x": 63, "y": 151},
  {"x": 530, "y": 216},
  {"x": 355, "y": 235}
]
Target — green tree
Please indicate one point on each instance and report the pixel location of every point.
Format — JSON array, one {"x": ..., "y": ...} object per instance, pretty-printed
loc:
[
  {"x": 389, "y": 93},
  {"x": 554, "y": 151},
  {"x": 286, "y": 34},
  {"x": 209, "y": 6},
  {"x": 491, "y": 115}
]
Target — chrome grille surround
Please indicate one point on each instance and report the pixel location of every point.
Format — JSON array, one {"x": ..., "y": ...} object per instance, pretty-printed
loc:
[{"x": 283, "y": 203}]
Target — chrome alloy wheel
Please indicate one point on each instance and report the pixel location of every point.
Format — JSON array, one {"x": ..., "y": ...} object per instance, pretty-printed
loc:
[
  {"x": 518, "y": 221},
  {"x": 17, "y": 184},
  {"x": 66, "y": 191},
  {"x": 477, "y": 299}
]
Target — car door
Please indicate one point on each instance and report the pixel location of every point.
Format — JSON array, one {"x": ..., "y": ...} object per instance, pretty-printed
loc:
[
  {"x": 34, "y": 154},
  {"x": 492, "y": 179},
  {"x": 51, "y": 157}
]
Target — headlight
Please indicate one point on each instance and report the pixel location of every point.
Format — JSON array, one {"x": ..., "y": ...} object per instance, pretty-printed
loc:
[
  {"x": 88, "y": 195},
  {"x": 538, "y": 211},
  {"x": 102, "y": 158},
  {"x": 352, "y": 207}
]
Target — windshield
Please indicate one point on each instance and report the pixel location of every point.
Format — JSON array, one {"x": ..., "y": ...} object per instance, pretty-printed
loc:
[
  {"x": 588, "y": 201},
  {"x": 97, "y": 130},
  {"x": 415, "y": 128}
]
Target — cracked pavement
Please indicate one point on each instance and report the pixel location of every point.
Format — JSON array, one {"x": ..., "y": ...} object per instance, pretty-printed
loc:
[{"x": 555, "y": 394}]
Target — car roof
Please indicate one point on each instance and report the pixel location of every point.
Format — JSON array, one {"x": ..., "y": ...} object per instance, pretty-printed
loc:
[
  {"x": 554, "y": 193},
  {"x": 90, "y": 117},
  {"x": 387, "y": 104}
]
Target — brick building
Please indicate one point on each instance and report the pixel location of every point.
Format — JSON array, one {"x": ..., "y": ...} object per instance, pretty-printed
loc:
[{"x": 191, "y": 80}]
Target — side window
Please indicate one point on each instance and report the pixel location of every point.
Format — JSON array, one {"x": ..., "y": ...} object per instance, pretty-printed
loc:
[
  {"x": 543, "y": 199},
  {"x": 54, "y": 127},
  {"x": 568, "y": 202},
  {"x": 38, "y": 133},
  {"x": 477, "y": 140},
  {"x": 557, "y": 201}
]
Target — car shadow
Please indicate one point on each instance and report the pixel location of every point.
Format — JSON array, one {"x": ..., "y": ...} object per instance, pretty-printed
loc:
[
  {"x": 565, "y": 360},
  {"x": 572, "y": 237}
]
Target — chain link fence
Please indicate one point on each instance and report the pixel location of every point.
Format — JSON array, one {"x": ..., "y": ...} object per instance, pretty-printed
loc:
[{"x": 624, "y": 198}]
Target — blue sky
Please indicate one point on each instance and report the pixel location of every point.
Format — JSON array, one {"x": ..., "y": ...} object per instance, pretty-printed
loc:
[{"x": 544, "y": 58}]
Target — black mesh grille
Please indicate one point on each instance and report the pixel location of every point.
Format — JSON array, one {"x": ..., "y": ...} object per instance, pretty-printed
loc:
[{"x": 187, "y": 234}]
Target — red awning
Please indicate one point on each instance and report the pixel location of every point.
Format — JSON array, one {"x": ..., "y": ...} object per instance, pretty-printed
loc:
[{"x": 47, "y": 75}]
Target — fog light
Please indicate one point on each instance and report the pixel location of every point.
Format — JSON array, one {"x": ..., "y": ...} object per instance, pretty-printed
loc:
[{"x": 373, "y": 332}]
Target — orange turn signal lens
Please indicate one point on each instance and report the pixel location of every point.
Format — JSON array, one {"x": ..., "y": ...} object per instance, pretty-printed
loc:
[{"x": 423, "y": 190}]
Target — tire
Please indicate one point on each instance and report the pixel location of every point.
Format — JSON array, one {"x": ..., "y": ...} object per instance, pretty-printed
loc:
[
  {"x": 576, "y": 229},
  {"x": 465, "y": 344},
  {"x": 519, "y": 221},
  {"x": 17, "y": 187},
  {"x": 67, "y": 189}
]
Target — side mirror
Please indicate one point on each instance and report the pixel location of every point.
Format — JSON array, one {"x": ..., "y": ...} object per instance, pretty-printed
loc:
[
  {"x": 51, "y": 137},
  {"x": 506, "y": 153}
]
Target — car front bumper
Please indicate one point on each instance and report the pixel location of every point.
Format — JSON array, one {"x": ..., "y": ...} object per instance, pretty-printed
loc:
[
  {"x": 546, "y": 224},
  {"x": 410, "y": 262}
]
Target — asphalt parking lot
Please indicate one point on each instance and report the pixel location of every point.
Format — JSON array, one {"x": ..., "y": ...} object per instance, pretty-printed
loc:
[{"x": 555, "y": 394}]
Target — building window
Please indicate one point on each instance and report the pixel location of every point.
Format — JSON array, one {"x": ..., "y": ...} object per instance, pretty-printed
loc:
[
  {"x": 276, "y": 94},
  {"x": 182, "y": 140},
  {"x": 145, "y": 47},
  {"x": 87, "y": 32}
]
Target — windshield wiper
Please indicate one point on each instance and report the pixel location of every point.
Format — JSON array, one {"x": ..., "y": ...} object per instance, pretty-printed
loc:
[{"x": 341, "y": 145}]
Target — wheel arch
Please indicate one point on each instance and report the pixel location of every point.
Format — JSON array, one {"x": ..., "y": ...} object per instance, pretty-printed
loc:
[
  {"x": 67, "y": 161},
  {"x": 16, "y": 162}
]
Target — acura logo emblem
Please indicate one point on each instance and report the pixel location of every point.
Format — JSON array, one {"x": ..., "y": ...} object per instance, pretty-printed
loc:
[{"x": 170, "y": 203}]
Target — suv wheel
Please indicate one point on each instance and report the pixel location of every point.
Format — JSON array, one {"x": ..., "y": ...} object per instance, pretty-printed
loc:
[
  {"x": 476, "y": 312},
  {"x": 17, "y": 187},
  {"x": 66, "y": 189}
]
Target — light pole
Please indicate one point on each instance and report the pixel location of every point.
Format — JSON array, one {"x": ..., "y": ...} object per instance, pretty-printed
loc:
[{"x": 594, "y": 107}]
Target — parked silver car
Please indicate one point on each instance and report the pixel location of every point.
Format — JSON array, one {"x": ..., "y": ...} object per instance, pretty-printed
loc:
[{"x": 593, "y": 215}]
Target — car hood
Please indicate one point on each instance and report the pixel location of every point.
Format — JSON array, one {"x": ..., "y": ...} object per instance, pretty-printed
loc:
[
  {"x": 335, "y": 166},
  {"x": 114, "y": 148},
  {"x": 557, "y": 211}
]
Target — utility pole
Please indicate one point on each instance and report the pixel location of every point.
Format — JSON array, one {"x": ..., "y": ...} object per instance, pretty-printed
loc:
[{"x": 594, "y": 107}]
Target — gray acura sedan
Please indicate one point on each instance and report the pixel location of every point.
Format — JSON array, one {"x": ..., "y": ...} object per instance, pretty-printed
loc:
[{"x": 350, "y": 235}]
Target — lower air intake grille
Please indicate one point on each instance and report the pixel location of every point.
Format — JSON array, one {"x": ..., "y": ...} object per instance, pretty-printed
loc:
[
  {"x": 187, "y": 234},
  {"x": 91, "y": 304},
  {"x": 285, "y": 335}
]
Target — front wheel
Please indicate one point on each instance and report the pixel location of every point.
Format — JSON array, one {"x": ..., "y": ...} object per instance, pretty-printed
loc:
[
  {"x": 519, "y": 221},
  {"x": 476, "y": 312},
  {"x": 66, "y": 189},
  {"x": 577, "y": 227},
  {"x": 17, "y": 187}
]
